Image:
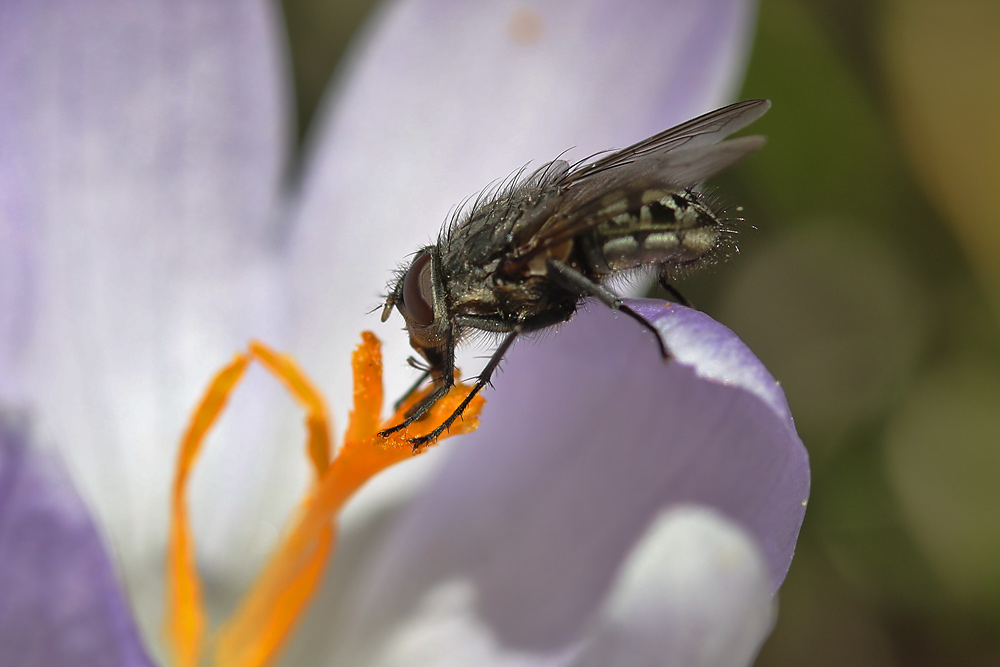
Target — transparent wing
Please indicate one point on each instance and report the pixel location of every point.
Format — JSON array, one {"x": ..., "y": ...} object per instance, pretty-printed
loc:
[
  {"x": 678, "y": 158},
  {"x": 704, "y": 130}
]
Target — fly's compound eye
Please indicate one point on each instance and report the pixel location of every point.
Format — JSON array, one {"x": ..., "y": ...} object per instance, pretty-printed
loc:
[{"x": 418, "y": 291}]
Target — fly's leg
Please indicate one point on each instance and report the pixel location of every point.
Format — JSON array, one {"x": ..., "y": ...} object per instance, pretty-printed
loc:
[
  {"x": 441, "y": 366},
  {"x": 576, "y": 281},
  {"x": 572, "y": 279},
  {"x": 425, "y": 372},
  {"x": 419, "y": 365},
  {"x": 420, "y": 410},
  {"x": 663, "y": 280},
  {"x": 481, "y": 381},
  {"x": 645, "y": 324}
]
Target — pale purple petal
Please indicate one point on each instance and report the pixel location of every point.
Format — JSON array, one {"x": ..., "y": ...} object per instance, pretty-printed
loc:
[
  {"x": 16, "y": 274},
  {"x": 445, "y": 97},
  {"x": 18, "y": 214},
  {"x": 61, "y": 604},
  {"x": 587, "y": 438},
  {"x": 147, "y": 142},
  {"x": 693, "y": 592}
]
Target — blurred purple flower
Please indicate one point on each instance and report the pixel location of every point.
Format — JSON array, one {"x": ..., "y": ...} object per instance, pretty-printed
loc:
[
  {"x": 610, "y": 510},
  {"x": 61, "y": 604}
]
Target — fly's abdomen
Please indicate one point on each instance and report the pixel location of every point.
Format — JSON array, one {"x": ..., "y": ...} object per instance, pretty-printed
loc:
[{"x": 654, "y": 227}]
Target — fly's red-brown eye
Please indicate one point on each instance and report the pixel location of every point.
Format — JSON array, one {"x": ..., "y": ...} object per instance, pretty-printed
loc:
[{"x": 418, "y": 292}]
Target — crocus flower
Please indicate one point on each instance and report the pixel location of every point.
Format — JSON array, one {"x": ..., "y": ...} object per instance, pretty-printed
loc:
[{"x": 611, "y": 509}]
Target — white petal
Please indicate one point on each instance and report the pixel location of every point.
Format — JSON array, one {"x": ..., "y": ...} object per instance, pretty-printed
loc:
[
  {"x": 694, "y": 593},
  {"x": 150, "y": 139}
]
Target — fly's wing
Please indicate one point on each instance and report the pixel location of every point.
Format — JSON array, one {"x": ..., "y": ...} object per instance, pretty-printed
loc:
[
  {"x": 678, "y": 158},
  {"x": 705, "y": 130}
]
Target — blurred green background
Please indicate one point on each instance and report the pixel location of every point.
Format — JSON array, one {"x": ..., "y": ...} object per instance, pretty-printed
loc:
[{"x": 869, "y": 283}]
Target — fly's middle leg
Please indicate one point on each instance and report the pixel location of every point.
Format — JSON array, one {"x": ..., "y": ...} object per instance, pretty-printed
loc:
[{"x": 576, "y": 281}]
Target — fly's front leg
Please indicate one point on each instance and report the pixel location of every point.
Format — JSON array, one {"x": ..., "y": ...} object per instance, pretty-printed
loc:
[
  {"x": 572, "y": 279},
  {"x": 441, "y": 366},
  {"x": 481, "y": 381},
  {"x": 425, "y": 372}
]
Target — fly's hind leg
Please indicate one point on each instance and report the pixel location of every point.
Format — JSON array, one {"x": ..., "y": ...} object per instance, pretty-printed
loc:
[
  {"x": 576, "y": 281},
  {"x": 663, "y": 280}
]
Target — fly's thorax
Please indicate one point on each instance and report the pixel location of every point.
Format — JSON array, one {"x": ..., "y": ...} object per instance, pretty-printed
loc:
[{"x": 653, "y": 227}]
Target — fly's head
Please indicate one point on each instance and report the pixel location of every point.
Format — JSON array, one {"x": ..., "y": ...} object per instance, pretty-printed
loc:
[{"x": 418, "y": 294}]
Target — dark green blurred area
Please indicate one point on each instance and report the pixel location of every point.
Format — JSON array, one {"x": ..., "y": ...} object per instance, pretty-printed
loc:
[{"x": 872, "y": 301}]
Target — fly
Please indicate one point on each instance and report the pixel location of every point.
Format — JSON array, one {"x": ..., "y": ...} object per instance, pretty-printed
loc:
[{"x": 524, "y": 256}]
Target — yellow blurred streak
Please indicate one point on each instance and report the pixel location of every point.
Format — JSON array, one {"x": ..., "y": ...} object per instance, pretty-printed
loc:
[
  {"x": 185, "y": 617},
  {"x": 943, "y": 71}
]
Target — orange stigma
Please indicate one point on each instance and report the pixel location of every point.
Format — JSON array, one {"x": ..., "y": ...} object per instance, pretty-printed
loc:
[{"x": 268, "y": 612}]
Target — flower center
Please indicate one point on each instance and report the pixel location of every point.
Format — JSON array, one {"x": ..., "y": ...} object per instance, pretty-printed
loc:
[{"x": 265, "y": 617}]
